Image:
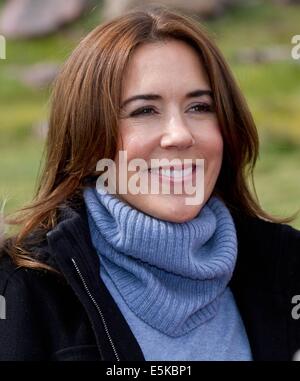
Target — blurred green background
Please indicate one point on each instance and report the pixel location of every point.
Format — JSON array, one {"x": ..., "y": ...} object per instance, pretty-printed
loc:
[{"x": 271, "y": 87}]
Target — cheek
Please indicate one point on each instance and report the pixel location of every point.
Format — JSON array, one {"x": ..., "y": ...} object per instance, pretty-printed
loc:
[
  {"x": 210, "y": 143},
  {"x": 216, "y": 146},
  {"x": 137, "y": 144}
]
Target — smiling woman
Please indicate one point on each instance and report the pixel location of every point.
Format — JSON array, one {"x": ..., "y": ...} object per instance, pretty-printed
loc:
[{"x": 93, "y": 275}]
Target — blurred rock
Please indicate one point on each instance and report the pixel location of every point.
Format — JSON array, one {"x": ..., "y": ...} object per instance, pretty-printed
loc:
[
  {"x": 30, "y": 18},
  {"x": 286, "y": 2},
  {"x": 37, "y": 75},
  {"x": 202, "y": 8},
  {"x": 266, "y": 54}
]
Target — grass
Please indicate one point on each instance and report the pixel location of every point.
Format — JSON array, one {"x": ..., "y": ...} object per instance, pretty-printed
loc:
[
  {"x": 271, "y": 89},
  {"x": 277, "y": 178},
  {"x": 19, "y": 167}
]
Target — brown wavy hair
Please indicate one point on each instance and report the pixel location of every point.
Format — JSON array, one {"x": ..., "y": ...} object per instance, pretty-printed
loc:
[{"x": 83, "y": 123}]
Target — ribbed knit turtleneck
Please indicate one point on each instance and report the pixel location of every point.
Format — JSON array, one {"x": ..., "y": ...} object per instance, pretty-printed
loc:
[{"x": 171, "y": 275}]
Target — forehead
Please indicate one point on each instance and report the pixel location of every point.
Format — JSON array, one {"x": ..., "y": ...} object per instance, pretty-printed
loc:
[{"x": 170, "y": 64}]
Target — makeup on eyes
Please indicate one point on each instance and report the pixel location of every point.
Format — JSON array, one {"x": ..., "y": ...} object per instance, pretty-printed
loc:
[{"x": 141, "y": 111}]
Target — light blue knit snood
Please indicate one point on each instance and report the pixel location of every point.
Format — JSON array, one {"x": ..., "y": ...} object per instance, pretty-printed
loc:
[
  {"x": 170, "y": 274},
  {"x": 170, "y": 280}
]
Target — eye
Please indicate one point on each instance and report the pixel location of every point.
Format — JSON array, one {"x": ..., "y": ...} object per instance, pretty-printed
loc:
[
  {"x": 202, "y": 107},
  {"x": 143, "y": 111}
]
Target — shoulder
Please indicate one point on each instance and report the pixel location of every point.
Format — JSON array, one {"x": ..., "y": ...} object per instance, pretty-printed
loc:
[
  {"x": 19, "y": 285},
  {"x": 34, "y": 303},
  {"x": 29, "y": 292},
  {"x": 268, "y": 251},
  {"x": 34, "y": 306},
  {"x": 38, "y": 245},
  {"x": 291, "y": 237},
  {"x": 266, "y": 234},
  {"x": 291, "y": 256}
]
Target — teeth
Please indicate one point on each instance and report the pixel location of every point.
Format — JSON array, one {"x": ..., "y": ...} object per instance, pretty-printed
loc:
[
  {"x": 154, "y": 170},
  {"x": 165, "y": 172},
  {"x": 182, "y": 173},
  {"x": 176, "y": 173}
]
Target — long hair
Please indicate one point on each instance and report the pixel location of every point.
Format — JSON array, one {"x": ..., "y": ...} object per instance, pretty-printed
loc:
[{"x": 83, "y": 122}]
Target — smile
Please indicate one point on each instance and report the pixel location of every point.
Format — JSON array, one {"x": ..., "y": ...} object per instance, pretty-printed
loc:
[{"x": 172, "y": 174}]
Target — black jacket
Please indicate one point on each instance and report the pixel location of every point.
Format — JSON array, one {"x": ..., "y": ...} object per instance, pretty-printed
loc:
[{"x": 74, "y": 317}]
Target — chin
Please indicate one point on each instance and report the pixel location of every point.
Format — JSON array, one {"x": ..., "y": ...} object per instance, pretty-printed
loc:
[
  {"x": 173, "y": 211},
  {"x": 165, "y": 208}
]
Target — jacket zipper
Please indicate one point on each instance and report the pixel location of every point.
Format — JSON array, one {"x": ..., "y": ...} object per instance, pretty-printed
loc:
[{"x": 97, "y": 307}]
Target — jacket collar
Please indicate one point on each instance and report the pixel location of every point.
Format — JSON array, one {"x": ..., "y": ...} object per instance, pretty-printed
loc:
[{"x": 72, "y": 253}]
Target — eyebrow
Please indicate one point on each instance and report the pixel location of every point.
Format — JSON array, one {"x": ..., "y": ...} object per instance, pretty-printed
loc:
[{"x": 153, "y": 97}]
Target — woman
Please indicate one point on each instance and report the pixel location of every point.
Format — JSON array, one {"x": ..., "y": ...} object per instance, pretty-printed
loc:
[{"x": 100, "y": 275}]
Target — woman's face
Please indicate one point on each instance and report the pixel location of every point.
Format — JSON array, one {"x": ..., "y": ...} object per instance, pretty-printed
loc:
[{"x": 177, "y": 121}]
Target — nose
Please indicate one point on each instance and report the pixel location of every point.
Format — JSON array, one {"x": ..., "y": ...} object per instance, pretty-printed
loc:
[{"x": 176, "y": 134}]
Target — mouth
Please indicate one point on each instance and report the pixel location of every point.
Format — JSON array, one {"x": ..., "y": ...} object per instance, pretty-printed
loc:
[{"x": 174, "y": 174}]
